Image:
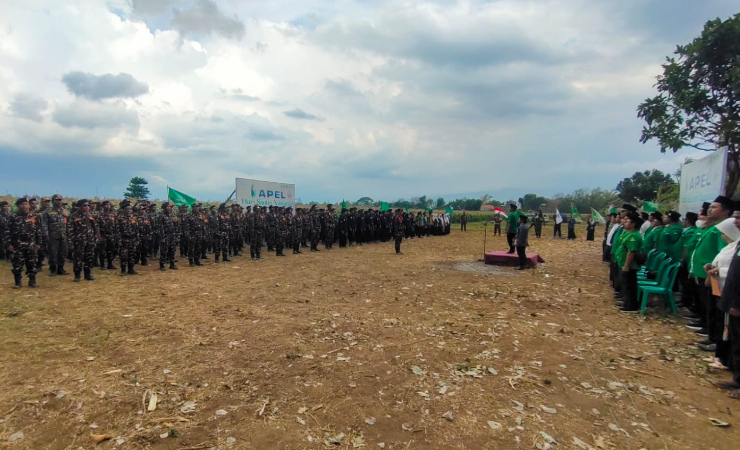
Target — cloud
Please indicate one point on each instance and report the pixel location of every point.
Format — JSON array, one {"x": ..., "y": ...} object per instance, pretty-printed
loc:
[
  {"x": 28, "y": 106},
  {"x": 97, "y": 87},
  {"x": 91, "y": 115},
  {"x": 204, "y": 18},
  {"x": 259, "y": 133},
  {"x": 300, "y": 114}
]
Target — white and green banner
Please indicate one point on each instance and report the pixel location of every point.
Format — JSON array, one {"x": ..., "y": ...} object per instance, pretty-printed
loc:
[
  {"x": 264, "y": 193},
  {"x": 702, "y": 180}
]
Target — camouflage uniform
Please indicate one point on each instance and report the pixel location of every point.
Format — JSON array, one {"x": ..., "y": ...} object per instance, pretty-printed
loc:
[
  {"x": 297, "y": 231},
  {"x": 183, "y": 235},
  {"x": 306, "y": 228},
  {"x": 145, "y": 237},
  {"x": 82, "y": 234},
  {"x": 196, "y": 235},
  {"x": 168, "y": 230},
  {"x": 106, "y": 221},
  {"x": 23, "y": 233},
  {"x": 127, "y": 226},
  {"x": 282, "y": 232},
  {"x": 4, "y": 217},
  {"x": 221, "y": 238},
  {"x": 270, "y": 225},
  {"x": 315, "y": 220},
  {"x": 398, "y": 231},
  {"x": 152, "y": 215},
  {"x": 44, "y": 250},
  {"x": 343, "y": 228},
  {"x": 55, "y": 228},
  {"x": 330, "y": 224},
  {"x": 259, "y": 222},
  {"x": 235, "y": 227}
]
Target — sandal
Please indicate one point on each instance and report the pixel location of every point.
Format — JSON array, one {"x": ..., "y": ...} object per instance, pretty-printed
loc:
[
  {"x": 729, "y": 385},
  {"x": 735, "y": 395}
]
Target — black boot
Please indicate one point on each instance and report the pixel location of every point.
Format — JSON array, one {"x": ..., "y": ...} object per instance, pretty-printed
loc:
[
  {"x": 251, "y": 254},
  {"x": 123, "y": 269},
  {"x": 190, "y": 262},
  {"x": 173, "y": 266},
  {"x": 111, "y": 266},
  {"x": 77, "y": 276},
  {"x": 88, "y": 274},
  {"x": 226, "y": 259},
  {"x": 52, "y": 270},
  {"x": 61, "y": 271},
  {"x": 216, "y": 258},
  {"x": 131, "y": 270},
  {"x": 102, "y": 264},
  {"x": 161, "y": 267},
  {"x": 144, "y": 262},
  {"x": 32, "y": 280},
  {"x": 17, "y": 278},
  {"x": 259, "y": 254},
  {"x": 197, "y": 262}
]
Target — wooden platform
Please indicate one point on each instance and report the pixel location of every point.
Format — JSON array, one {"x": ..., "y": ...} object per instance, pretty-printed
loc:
[{"x": 501, "y": 258}]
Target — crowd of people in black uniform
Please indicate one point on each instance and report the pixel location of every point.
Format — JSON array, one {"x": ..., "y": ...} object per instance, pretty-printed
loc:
[{"x": 95, "y": 234}]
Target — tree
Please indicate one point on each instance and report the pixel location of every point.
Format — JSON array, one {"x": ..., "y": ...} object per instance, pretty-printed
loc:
[
  {"x": 698, "y": 104},
  {"x": 137, "y": 188},
  {"x": 440, "y": 203},
  {"x": 365, "y": 201},
  {"x": 423, "y": 202},
  {"x": 466, "y": 204},
  {"x": 643, "y": 185},
  {"x": 532, "y": 202}
]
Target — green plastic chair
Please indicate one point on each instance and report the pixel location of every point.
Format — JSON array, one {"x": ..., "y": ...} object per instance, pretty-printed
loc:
[
  {"x": 662, "y": 267},
  {"x": 654, "y": 259},
  {"x": 664, "y": 289}
]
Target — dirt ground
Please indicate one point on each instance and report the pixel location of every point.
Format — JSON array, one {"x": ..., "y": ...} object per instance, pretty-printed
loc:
[{"x": 354, "y": 348}]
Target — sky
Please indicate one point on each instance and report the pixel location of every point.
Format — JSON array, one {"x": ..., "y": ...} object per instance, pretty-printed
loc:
[{"x": 344, "y": 99}]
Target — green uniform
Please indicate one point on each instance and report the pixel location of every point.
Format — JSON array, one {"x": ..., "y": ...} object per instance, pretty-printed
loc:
[
  {"x": 630, "y": 242},
  {"x": 652, "y": 236},
  {"x": 707, "y": 246},
  {"x": 512, "y": 222},
  {"x": 688, "y": 241},
  {"x": 670, "y": 242}
]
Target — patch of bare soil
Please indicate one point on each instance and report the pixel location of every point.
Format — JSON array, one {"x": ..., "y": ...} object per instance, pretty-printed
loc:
[{"x": 353, "y": 348}]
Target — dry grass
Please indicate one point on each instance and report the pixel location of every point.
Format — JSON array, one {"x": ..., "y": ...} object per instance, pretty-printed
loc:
[{"x": 338, "y": 333}]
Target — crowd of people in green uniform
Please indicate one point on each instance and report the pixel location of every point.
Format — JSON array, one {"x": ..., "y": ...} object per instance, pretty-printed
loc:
[
  {"x": 96, "y": 234},
  {"x": 705, "y": 246}
]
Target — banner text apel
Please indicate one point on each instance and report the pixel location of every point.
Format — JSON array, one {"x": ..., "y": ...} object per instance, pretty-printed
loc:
[
  {"x": 702, "y": 181},
  {"x": 264, "y": 193}
]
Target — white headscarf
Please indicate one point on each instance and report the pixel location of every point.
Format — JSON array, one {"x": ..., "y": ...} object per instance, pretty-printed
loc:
[{"x": 728, "y": 228}]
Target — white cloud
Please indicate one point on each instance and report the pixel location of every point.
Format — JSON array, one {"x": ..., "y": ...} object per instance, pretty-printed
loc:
[{"x": 383, "y": 98}]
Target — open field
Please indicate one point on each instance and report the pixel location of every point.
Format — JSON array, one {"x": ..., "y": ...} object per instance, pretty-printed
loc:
[{"x": 356, "y": 346}]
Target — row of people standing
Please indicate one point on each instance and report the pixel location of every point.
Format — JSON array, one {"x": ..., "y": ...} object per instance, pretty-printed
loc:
[
  {"x": 95, "y": 234},
  {"x": 707, "y": 246}
]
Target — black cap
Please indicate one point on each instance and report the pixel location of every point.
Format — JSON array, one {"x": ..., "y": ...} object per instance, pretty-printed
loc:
[
  {"x": 82, "y": 201},
  {"x": 657, "y": 215},
  {"x": 222, "y": 206},
  {"x": 21, "y": 200},
  {"x": 726, "y": 202},
  {"x": 635, "y": 218},
  {"x": 3, "y": 203},
  {"x": 691, "y": 216},
  {"x": 704, "y": 208},
  {"x": 165, "y": 204},
  {"x": 673, "y": 215},
  {"x": 107, "y": 202},
  {"x": 124, "y": 204},
  {"x": 629, "y": 207}
]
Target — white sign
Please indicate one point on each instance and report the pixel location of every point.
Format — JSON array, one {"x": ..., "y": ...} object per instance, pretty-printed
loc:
[
  {"x": 702, "y": 181},
  {"x": 264, "y": 193}
]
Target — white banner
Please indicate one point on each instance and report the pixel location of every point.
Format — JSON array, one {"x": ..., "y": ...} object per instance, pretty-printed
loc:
[
  {"x": 264, "y": 193},
  {"x": 702, "y": 181}
]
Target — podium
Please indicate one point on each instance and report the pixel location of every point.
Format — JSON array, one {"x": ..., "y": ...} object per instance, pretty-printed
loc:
[{"x": 501, "y": 258}]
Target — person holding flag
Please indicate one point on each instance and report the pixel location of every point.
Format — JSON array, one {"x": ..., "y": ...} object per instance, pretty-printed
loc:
[
  {"x": 572, "y": 223},
  {"x": 556, "y": 228}
]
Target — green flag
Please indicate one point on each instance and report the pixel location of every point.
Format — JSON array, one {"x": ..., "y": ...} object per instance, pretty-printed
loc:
[
  {"x": 344, "y": 204},
  {"x": 449, "y": 210},
  {"x": 178, "y": 198},
  {"x": 574, "y": 211},
  {"x": 649, "y": 206},
  {"x": 384, "y": 206},
  {"x": 598, "y": 218}
]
